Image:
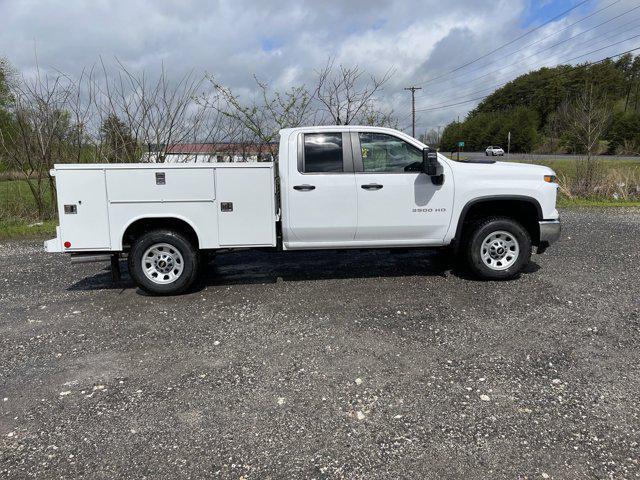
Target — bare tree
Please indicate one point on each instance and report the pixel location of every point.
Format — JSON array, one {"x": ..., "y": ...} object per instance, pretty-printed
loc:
[
  {"x": 161, "y": 112},
  {"x": 432, "y": 138},
  {"x": 260, "y": 119},
  {"x": 347, "y": 95},
  {"x": 41, "y": 133},
  {"x": 583, "y": 123}
]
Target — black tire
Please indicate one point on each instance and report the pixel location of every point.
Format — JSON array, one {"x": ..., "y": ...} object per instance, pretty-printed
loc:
[
  {"x": 190, "y": 260},
  {"x": 496, "y": 268}
]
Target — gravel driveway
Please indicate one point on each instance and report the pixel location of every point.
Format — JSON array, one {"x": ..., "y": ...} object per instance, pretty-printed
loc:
[{"x": 328, "y": 365}]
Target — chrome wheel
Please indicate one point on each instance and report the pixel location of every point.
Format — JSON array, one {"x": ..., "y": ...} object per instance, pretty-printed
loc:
[
  {"x": 499, "y": 250},
  {"x": 162, "y": 263}
]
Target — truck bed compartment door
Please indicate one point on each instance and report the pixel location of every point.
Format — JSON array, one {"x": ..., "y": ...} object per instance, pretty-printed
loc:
[
  {"x": 246, "y": 210},
  {"x": 82, "y": 209}
]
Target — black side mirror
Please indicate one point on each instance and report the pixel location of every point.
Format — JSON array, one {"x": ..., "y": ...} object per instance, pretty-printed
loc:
[{"x": 431, "y": 166}]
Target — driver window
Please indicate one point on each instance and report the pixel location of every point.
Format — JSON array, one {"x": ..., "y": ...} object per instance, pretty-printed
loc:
[{"x": 386, "y": 153}]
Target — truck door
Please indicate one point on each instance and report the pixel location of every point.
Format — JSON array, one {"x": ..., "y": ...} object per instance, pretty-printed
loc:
[
  {"x": 321, "y": 190},
  {"x": 396, "y": 202}
]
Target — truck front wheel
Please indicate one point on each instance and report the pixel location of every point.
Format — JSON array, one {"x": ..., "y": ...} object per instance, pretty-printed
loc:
[
  {"x": 163, "y": 262},
  {"x": 498, "y": 248}
]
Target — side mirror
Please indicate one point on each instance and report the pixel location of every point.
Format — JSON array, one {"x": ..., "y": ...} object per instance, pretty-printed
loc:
[{"x": 431, "y": 166}]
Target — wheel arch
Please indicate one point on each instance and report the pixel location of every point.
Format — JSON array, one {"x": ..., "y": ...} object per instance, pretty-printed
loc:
[
  {"x": 144, "y": 223},
  {"x": 527, "y": 210}
]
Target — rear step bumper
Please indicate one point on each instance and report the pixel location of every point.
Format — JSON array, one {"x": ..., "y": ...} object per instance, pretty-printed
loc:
[{"x": 55, "y": 244}]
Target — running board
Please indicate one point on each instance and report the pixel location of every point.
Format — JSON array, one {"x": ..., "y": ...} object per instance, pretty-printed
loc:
[{"x": 88, "y": 258}]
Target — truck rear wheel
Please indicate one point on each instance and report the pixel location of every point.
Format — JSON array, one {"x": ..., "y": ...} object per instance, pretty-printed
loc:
[
  {"x": 163, "y": 262},
  {"x": 498, "y": 248}
]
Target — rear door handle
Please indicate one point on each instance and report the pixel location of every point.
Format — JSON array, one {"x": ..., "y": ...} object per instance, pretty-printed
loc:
[
  {"x": 304, "y": 188},
  {"x": 372, "y": 186}
]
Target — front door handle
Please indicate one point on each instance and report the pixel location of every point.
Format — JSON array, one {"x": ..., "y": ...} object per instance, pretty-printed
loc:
[
  {"x": 372, "y": 186},
  {"x": 304, "y": 188}
]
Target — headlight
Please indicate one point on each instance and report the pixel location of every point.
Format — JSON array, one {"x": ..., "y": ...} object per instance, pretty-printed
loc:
[{"x": 551, "y": 179}]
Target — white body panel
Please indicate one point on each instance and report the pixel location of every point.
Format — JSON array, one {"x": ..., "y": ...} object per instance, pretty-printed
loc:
[
  {"x": 111, "y": 197},
  {"x": 326, "y": 214},
  {"x": 90, "y": 225},
  {"x": 253, "y": 220},
  {"x": 409, "y": 208},
  {"x": 477, "y": 181}
]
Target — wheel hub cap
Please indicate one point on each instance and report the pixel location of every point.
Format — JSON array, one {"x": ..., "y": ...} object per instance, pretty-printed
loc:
[
  {"x": 162, "y": 263},
  {"x": 499, "y": 250}
]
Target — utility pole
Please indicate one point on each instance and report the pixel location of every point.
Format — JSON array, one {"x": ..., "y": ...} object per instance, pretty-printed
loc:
[{"x": 413, "y": 108}]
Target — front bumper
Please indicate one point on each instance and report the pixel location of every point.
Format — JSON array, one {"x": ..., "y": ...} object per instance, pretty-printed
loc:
[{"x": 549, "y": 233}]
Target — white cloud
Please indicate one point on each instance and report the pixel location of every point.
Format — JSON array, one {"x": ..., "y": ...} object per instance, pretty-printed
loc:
[{"x": 285, "y": 41}]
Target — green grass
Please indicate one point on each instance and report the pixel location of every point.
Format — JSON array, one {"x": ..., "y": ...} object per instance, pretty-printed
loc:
[
  {"x": 567, "y": 167},
  {"x": 564, "y": 202},
  {"x": 16, "y": 200},
  {"x": 15, "y": 228},
  {"x": 18, "y": 212}
]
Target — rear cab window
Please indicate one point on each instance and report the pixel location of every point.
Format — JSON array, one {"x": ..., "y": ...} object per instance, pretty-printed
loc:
[{"x": 325, "y": 153}]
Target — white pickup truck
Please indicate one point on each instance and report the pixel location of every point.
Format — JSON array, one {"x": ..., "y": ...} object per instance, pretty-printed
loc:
[{"x": 339, "y": 187}]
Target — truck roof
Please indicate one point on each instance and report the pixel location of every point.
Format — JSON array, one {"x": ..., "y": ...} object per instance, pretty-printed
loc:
[
  {"x": 350, "y": 128},
  {"x": 152, "y": 165}
]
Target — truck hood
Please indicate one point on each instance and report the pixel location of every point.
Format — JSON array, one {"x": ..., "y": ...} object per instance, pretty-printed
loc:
[
  {"x": 504, "y": 168},
  {"x": 524, "y": 168}
]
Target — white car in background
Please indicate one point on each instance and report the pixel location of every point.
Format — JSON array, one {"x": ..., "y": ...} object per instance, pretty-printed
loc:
[{"x": 493, "y": 151}]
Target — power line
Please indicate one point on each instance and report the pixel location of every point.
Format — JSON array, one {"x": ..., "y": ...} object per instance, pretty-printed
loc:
[
  {"x": 544, "y": 49},
  {"x": 509, "y": 43},
  {"x": 568, "y": 26},
  {"x": 559, "y": 63},
  {"x": 437, "y": 107},
  {"x": 431, "y": 108},
  {"x": 590, "y": 41}
]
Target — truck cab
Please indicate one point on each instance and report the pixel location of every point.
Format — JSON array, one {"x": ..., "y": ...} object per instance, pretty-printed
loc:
[
  {"x": 359, "y": 187},
  {"x": 339, "y": 187}
]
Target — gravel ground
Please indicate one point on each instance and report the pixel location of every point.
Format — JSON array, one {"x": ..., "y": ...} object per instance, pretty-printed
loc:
[{"x": 328, "y": 365}]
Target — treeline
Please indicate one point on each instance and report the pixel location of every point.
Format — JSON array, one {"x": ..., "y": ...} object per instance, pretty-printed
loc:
[
  {"x": 533, "y": 107},
  {"x": 114, "y": 114}
]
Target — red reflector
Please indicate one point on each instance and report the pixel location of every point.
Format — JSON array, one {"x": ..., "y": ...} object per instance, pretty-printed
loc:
[{"x": 67, "y": 244}]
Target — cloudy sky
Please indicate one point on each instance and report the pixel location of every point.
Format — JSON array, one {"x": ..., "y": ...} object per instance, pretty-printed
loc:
[{"x": 284, "y": 41}]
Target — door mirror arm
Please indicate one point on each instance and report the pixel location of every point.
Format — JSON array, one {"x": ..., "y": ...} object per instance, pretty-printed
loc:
[{"x": 431, "y": 166}]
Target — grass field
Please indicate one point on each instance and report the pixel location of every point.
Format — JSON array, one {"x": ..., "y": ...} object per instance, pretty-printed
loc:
[
  {"x": 19, "y": 214},
  {"x": 17, "y": 228},
  {"x": 16, "y": 201},
  {"x": 19, "y": 217},
  {"x": 567, "y": 166}
]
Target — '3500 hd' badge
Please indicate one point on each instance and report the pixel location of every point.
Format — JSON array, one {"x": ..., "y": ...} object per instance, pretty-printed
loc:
[{"x": 429, "y": 210}]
